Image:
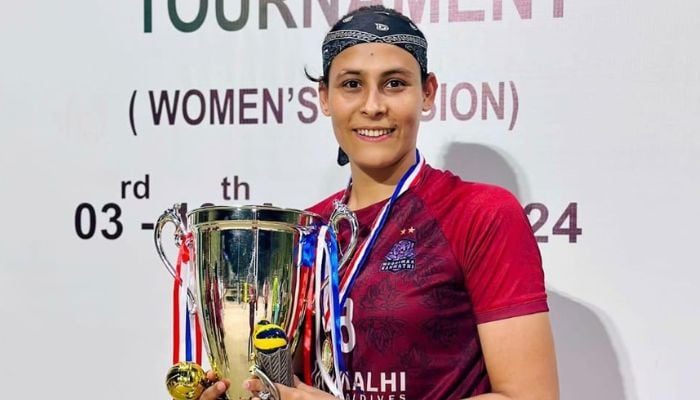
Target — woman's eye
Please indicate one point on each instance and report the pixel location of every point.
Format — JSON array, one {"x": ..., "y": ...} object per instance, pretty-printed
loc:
[{"x": 395, "y": 83}]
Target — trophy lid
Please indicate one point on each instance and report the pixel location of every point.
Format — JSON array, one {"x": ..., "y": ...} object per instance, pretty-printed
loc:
[{"x": 249, "y": 216}]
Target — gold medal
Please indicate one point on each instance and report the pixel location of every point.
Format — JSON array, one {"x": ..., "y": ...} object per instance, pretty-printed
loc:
[
  {"x": 327, "y": 354},
  {"x": 185, "y": 380}
]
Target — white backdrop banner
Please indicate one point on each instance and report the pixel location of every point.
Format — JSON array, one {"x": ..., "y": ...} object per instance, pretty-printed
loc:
[{"x": 113, "y": 111}]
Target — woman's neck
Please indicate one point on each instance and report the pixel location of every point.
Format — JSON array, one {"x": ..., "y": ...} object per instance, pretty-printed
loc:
[{"x": 370, "y": 186}]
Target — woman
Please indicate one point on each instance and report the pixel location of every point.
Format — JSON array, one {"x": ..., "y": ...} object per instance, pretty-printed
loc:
[{"x": 449, "y": 302}]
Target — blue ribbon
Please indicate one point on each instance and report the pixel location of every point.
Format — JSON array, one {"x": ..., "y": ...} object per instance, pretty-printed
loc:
[
  {"x": 335, "y": 298},
  {"x": 308, "y": 248},
  {"x": 374, "y": 237},
  {"x": 188, "y": 335}
]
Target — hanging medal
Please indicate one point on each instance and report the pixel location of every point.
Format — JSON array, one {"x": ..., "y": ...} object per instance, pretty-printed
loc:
[{"x": 327, "y": 354}]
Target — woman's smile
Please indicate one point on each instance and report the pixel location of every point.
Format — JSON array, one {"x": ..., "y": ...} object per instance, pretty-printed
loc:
[{"x": 373, "y": 134}]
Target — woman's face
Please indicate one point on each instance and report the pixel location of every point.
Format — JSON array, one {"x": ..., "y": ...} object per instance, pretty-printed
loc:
[{"x": 375, "y": 98}]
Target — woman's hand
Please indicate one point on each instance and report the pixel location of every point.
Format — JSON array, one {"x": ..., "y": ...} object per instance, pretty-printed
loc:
[
  {"x": 300, "y": 391},
  {"x": 217, "y": 389}
]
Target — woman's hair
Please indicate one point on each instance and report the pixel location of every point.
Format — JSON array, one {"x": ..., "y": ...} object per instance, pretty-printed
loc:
[{"x": 417, "y": 46}]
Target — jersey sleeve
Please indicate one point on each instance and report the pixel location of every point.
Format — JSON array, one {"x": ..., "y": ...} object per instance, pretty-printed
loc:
[{"x": 500, "y": 258}]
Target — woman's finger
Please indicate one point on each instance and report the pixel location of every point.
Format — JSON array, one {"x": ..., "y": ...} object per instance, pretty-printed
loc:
[
  {"x": 211, "y": 376},
  {"x": 259, "y": 391},
  {"x": 253, "y": 385},
  {"x": 214, "y": 391}
]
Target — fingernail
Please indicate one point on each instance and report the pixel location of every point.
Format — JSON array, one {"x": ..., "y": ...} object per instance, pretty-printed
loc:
[
  {"x": 220, "y": 386},
  {"x": 246, "y": 385}
]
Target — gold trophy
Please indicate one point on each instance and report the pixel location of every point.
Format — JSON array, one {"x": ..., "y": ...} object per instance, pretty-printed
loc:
[{"x": 239, "y": 254}]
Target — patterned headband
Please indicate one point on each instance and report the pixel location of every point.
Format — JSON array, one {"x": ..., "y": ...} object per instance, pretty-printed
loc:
[{"x": 375, "y": 26}]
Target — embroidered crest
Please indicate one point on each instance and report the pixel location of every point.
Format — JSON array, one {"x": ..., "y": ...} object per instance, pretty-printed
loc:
[{"x": 401, "y": 257}]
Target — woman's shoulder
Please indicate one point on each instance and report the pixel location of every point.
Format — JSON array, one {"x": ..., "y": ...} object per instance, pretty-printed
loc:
[
  {"x": 472, "y": 210},
  {"x": 444, "y": 186}
]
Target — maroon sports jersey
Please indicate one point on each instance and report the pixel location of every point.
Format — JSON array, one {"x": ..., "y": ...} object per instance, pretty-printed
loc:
[{"x": 452, "y": 255}]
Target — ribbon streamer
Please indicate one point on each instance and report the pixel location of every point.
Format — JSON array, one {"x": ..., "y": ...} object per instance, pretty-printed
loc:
[
  {"x": 176, "y": 310},
  {"x": 322, "y": 255},
  {"x": 336, "y": 337},
  {"x": 180, "y": 288},
  {"x": 406, "y": 181},
  {"x": 339, "y": 289},
  {"x": 358, "y": 260}
]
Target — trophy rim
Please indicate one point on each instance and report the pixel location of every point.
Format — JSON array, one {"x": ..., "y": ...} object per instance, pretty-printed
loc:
[{"x": 252, "y": 208}]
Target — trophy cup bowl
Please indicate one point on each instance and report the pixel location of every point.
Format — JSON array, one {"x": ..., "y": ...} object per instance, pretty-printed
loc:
[{"x": 247, "y": 270}]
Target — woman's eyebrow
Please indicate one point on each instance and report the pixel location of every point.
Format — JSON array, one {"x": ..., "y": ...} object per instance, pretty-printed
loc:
[
  {"x": 349, "y": 72},
  {"x": 393, "y": 71}
]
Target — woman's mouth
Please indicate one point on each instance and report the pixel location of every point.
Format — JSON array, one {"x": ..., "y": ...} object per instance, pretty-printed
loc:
[{"x": 374, "y": 133}]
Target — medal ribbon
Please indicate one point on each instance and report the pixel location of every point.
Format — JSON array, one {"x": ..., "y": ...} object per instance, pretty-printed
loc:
[
  {"x": 327, "y": 252},
  {"x": 188, "y": 335},
  {"x": 176, "y": 308},
  {"x": 198, "y": 338},
  {"x": 307, "y": 260},
  {"x": 182, "y": 285},
  {"x": 335, "y": 294},
  {"x": 362, "y": 254},
  {"x": 308, "y": 327},
  {"x": 363, "y": 251},
  {"x": 335, "y": 310}
]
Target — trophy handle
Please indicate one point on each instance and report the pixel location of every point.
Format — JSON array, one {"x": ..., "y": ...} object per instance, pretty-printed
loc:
[
  {"x": 340, "y": 212},
  {"x": 272, "y": 392},
  {"x": 171, "y": 215}
]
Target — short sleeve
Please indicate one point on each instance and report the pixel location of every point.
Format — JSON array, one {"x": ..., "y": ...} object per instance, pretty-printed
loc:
[{"x": 500, "y": 257}]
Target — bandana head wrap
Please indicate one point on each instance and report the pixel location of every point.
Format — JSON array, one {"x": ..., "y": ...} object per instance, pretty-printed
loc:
[{"x": 375, "y": 25}]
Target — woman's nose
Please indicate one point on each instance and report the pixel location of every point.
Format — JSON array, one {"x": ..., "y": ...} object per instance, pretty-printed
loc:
[{"x": 374, "y": 105}]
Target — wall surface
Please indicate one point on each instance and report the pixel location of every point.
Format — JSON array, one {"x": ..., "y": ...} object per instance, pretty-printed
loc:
[{"x": 112, "y": 111}]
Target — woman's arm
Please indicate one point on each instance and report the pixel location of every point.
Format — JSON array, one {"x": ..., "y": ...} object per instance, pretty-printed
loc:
[
  {"x": 519, "y": 355},
  {"x": 520, "y": 359}
]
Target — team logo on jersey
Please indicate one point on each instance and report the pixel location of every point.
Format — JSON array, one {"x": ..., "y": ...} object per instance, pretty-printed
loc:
[{"x": 402, "y": 256}]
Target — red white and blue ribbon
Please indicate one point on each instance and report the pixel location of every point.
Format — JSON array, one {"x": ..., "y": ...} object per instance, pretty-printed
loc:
[
  {"x": 304, "y": 300},
  {"x": 319, "y": 250},
  {"x": 409, "y": 178},
  {"x": 182, "y": 306},
  {"x": 331, "y": 298},
  {"x": 327, "y": 255},
  {"x": 363, "y": 251}
]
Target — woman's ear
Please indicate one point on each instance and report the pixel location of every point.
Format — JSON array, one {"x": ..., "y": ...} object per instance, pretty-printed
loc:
[
  {"x": 429, "y": 91},
  {"x": 323, "y": 98}
]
